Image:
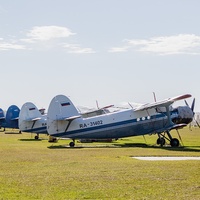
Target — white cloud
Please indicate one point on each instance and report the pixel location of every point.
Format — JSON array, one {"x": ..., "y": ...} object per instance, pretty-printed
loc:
[
  {"x": 47, "y": 34},
  {"x": 4, "y": 46},
  {"x": 177, "y": 44},
  {"x": 44, "y": 33},
  {"x": 118, "y": 49},
  {"x": 45, "y": 38},
  {"x": 76, "y": 48}
]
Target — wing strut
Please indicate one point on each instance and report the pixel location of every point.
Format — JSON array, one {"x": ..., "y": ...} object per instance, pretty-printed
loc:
[
  {"x": 170, "y": 123},
  {"x": 33, "y": 124},
  {"x": 70, "y": 121}
]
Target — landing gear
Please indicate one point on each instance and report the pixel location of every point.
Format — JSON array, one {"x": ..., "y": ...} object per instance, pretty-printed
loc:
[
  {"x": 37, "y": 137},
  {"x": 174, "y": 142},
  {"x": 161, "y": 141},
  {"x": 72, "y": 144}
]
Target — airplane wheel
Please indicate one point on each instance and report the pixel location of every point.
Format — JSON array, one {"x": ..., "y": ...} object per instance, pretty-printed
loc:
[
  {"x": 161, "y": 141},
  {"x": 36, "y": 137},
  {"x": 71, "y": 144},
  {"x": 174, "y": 142}
]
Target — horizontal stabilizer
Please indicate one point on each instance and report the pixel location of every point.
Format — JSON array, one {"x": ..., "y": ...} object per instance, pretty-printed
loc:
[
  {"x": 70, "y": 118},
  {"x": 13, "y": 119},
  {"x": 33, "y": 119}
]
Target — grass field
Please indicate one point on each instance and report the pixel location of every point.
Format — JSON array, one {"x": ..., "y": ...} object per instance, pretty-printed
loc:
[{"x": 32, "y": 169}]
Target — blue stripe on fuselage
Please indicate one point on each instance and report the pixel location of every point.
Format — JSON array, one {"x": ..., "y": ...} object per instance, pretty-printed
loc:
[
  {"x": 36, "y": 130},
  {"x": 111, "y": 127}
]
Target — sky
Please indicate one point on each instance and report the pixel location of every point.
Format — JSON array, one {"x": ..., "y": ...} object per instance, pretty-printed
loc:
[{"x": 105, "y": 51}]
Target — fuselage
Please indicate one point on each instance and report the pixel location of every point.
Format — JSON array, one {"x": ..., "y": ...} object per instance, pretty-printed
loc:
[
  {"x": 39, "y": 126},
  {"x": 119, "y": 124}
]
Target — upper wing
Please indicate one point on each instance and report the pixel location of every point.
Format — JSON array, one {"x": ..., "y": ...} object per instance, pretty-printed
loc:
[
  {"x": 95, "y": 110},
  {"x": 165, "y": 102}
]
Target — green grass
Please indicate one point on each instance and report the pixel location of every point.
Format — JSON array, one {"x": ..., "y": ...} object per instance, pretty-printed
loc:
[{"x": 32, "y": 169}]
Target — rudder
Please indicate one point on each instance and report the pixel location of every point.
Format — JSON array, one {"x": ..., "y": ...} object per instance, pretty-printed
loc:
[
  {"x": 12, "y": 116},
  {"x": 59, "y": 109},
  {"x": 28, "y": 113}
]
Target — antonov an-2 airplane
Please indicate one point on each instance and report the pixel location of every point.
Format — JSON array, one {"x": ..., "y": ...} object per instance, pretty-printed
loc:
[{"x": 65, "y": 121}]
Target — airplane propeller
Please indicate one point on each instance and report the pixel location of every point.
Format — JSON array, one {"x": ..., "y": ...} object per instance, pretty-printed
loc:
[{"x": 192, "y": 108}]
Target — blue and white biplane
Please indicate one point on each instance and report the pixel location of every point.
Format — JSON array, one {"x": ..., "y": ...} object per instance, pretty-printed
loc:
[{"x": 64, "y": 120}]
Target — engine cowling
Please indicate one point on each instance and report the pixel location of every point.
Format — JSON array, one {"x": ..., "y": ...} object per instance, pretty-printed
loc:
[{"x": 182, "y": 115}]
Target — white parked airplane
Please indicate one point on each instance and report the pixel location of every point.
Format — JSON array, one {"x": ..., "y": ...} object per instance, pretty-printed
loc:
[
  {"x": 31, "y": 120},
  {"x": 65, "y": 121}
]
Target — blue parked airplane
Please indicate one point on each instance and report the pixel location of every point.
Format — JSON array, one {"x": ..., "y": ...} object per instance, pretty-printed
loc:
[
  {"x": 65, "y": 121},
  {"x": 11, "y": 118}
]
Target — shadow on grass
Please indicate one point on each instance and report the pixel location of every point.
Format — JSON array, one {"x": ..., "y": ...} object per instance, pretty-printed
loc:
[
  {"x": 30, "y": 140},
  {"x": 11, "y": 132},
  {"x": 64, "y": 147},
  {"x": 169, "y": 148},
  {"x": 129, "y": 145}
]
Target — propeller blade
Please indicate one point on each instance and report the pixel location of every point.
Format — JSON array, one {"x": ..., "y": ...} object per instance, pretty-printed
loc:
[
  {"x": 192, "y": 106},
  {"x": 186, "y": 103}
]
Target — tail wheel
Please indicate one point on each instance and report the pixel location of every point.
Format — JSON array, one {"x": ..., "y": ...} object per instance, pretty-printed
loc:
[
  {"x": 36, "y": 137},
  {"x": 174, "y": 142},
  {"x": 71, "y": 144}
]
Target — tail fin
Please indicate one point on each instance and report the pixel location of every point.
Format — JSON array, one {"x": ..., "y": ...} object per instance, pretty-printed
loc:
[
  {"x": 28, "y": 114},
  {"x": 60, "y": 108},
  {"x": 2, "y": 118},
  {"x": 29, "y": 111},
  {"x": 12, "y": 116}
]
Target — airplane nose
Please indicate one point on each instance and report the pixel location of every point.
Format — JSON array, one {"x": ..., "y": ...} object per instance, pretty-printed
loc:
[
  {"x": 184, "y": 115},
  {"x": 185, "y": 112}
]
